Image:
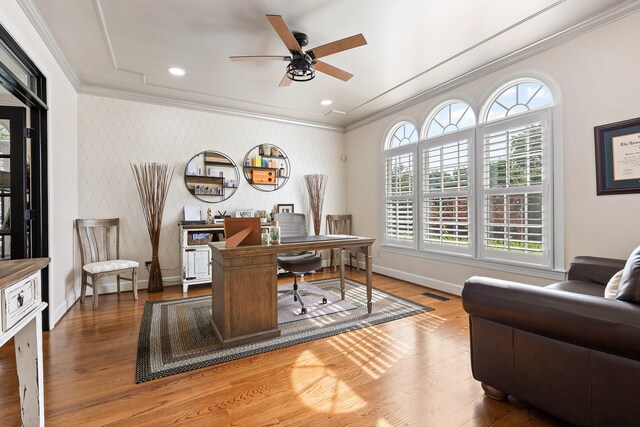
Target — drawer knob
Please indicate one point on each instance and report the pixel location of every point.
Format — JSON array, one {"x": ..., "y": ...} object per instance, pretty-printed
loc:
[{"x": 20, "y": 299}]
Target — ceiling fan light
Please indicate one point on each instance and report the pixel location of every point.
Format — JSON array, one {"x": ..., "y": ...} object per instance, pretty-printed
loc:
[{"x": 301, "y": 69}]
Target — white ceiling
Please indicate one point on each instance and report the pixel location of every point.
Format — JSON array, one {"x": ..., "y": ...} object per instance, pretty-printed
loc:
[{"x": 413, "y": 46}]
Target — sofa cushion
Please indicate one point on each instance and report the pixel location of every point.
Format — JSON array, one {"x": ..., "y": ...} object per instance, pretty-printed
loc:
[
  {"x": 612, "y": 287},
  {"x": 629, "y": 289},
  {"x": 578, "y": 287}
]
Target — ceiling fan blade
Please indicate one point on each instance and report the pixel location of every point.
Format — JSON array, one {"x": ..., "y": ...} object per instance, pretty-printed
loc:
[
  {"x": 284, "y": 32},
  {"x": 338, "y": 46},
  {"x": 323, "y": 67},
  {"x": 260, "y": 58},
  {"x": 286, "y": 81}
]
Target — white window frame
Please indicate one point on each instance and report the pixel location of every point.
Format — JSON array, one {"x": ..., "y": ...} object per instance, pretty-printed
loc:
[
  {"x": 412, "y": 149},
  {"x": 447, "y": 138},
  {"x": 550, "y": 263},
  {"x": 545, "y": 259}
]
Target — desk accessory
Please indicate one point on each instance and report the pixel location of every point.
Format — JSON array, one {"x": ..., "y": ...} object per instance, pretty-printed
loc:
[{"x": 242, "y": 232}]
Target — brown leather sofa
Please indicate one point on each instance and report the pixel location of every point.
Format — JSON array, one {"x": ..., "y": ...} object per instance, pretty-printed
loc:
[{"x": 563, "y": 348}]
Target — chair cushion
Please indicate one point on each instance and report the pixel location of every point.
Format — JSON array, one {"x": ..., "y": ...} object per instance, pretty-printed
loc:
[
  {"x": 629, "y": 289},
  {"x": 299, "y": 262},
  {"x": 111, "y": 265}
]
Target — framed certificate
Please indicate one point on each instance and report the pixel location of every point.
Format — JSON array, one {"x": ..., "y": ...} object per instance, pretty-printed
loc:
[{"x": 618, "y": 157}]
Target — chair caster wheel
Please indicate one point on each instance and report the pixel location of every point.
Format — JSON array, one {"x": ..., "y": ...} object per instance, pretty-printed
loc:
[
  {"x": 324, "y": 300},
  {"x": 303, "y": 311}
]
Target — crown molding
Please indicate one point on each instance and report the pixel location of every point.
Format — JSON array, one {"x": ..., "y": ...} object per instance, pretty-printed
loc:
[
  {"x": 34, "y": 15},
  {"x": 168, "y": 102},
  {"x": 610, "y": 15},
  {"x": 606, "y": 17}
]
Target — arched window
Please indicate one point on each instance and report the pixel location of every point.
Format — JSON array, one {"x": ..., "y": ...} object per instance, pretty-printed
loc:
[
  {"x": 516, "y": 197},
  {"x": 445, "y": 170},
  {"x": 478, "y": 186},
  {"x": 518, "y": 97},
  {"x": 403, "y": 133},
  {"x": 450, "y": 117},
  {"x": 399, "y": 184}
]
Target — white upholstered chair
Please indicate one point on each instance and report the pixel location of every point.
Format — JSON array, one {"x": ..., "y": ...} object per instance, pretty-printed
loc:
[{"x": 100, "y": 254}]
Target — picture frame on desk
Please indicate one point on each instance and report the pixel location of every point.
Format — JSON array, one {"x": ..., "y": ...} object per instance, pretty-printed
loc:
[
  {"x": 618, "y": 157},
  {"x": 284, "y": 208},
  {"x": 245, "y": 213}
]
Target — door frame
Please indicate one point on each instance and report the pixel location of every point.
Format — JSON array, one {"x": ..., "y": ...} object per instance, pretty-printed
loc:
[{"x": 34, "y": 96}]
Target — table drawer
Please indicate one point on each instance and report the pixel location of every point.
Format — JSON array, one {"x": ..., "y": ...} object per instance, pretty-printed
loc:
[{"x": 19, "y": 299}]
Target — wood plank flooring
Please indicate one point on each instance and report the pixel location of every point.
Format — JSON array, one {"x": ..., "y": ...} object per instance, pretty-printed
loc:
[{"x": 413, "y": 371}]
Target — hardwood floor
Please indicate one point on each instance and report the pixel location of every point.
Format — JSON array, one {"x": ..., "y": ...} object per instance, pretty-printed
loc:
[{"x": 412, "y": 371}]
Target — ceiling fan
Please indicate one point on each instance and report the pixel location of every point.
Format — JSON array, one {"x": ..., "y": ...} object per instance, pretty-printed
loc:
[{"x": 303, "y": 65}]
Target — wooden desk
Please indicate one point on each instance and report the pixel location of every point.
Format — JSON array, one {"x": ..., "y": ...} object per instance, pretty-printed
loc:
[
  {"x": 245, "y": 285},
  {"x": 21, "y": 319}
]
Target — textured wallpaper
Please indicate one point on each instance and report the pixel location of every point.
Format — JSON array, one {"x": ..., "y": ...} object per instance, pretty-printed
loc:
[{"x": 113, "y": 133}]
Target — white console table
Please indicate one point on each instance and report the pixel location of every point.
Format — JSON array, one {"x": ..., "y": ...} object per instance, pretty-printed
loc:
[
  {"x": 21, "y": 319},
  {"x": 195, "y": 255}
]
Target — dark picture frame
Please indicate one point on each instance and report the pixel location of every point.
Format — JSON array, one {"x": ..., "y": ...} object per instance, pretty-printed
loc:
[
  {"x": 618, "y": 157},
  {"x": 284, "y": 208}
]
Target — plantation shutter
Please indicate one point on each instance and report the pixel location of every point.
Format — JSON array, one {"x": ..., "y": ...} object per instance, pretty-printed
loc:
[
  {"x": 514, "y": 198},
  {"x": 445, "y": 180},
  {"x": 400, "y": 195}
]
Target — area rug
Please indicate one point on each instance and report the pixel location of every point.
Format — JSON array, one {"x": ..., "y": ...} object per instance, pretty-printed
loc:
[{"x": 176, "y": 336}]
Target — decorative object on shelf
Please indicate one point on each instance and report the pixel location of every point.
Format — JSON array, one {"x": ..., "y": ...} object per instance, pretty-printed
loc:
[
  {"x": 274, "y": 234},
  {"x": 192, "y": 214},
  {"x": 618, "y": 157},
  {"x": 211, "y": 176},
  {"x": 209, "y": 216},
  {"x": 263, "y": 216},
  {"x": 316, "y": 184},
  {"x": 266, "y": 167},
  {"x": 153, "y": 181},
  {"x": 284, "y": 208},
  {"x": 245, "y": 213}
]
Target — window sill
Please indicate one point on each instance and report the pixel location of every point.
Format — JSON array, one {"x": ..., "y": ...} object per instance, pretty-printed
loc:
[{"x": 509, "y": 267}]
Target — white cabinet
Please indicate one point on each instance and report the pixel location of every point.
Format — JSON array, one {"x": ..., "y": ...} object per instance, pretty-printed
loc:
[
  {"x": 196, "y": 254},
  {"x": 196, "y": 263}
]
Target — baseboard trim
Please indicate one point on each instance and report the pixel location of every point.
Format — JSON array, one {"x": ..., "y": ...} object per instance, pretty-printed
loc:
[
  {"x": 427, "y": 282},
  {"x": 62, "y": 310},
  {"x": 112, "y": 287}
]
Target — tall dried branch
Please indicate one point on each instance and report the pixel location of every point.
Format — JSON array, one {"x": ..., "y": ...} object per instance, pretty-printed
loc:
[
  {"x": 316, "y": 184},
  {"x": 152, "y": 181}
]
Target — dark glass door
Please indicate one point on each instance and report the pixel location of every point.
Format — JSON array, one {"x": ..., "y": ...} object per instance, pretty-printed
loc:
[{"x": 14, "y": 184}]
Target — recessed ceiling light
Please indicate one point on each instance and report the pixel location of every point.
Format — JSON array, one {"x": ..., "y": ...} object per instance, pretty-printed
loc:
[
  {"x": 177, "y": 71},
  {"x": 326, "y": 102}
]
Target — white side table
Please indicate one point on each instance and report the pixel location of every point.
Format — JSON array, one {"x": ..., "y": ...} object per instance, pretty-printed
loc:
[{"x": 21, "y": 319}]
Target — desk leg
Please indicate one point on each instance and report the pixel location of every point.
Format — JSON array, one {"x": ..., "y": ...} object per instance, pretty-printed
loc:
[
  {"x": 28, "y": 346},
  {"x": 368, "y": 260},
  {"x": 341, "y": 261}
]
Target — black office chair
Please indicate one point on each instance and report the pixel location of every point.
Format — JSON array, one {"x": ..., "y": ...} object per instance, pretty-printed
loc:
[{"x": 297, "y": 263}]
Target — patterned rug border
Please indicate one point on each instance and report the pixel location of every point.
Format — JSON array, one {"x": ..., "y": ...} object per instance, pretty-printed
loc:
[{"x": 143, "y": 373}]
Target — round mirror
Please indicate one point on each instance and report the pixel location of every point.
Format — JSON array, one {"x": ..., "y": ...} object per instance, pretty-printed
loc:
[
  {"x": 211, "y": 176},
  {"x": 266, "y": 167}
]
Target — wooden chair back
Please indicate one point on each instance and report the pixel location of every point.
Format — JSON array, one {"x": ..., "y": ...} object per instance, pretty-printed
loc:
[
  {"x": 99, "y": 239},
  {"x": 339, "y": 224}
]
